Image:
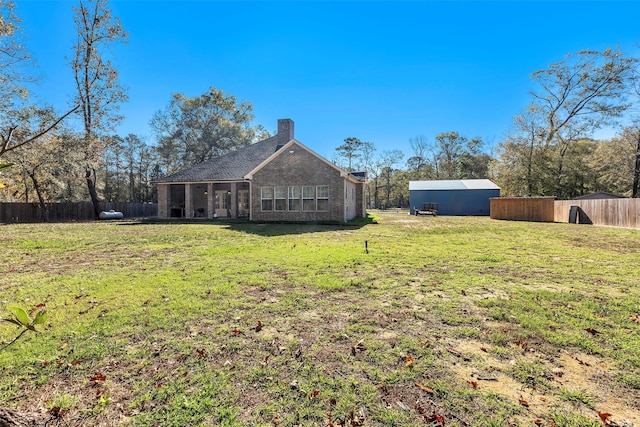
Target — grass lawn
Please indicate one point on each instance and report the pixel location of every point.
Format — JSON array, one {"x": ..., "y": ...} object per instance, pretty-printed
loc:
[{"x": 450, "y": 321}]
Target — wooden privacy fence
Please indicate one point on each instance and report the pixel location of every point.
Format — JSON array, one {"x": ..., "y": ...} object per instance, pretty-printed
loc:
[
  {"x": 62, "y": 212},
  {"x": 539, "y": 209},
  {"x": 611, "y": 212}
]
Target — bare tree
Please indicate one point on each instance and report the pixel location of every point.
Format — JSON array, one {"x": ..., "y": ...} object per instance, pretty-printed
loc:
[
  {"x": 387, "y": 162},
  {"x": 577, "y": 96},
  {"x": 20, "y": 123},
  {"x": 99, "y": 94},
  {"x": 418, "y": 162}
]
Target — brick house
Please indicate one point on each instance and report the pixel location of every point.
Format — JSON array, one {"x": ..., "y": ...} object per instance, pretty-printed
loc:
[{"x": 276, "y": 179}]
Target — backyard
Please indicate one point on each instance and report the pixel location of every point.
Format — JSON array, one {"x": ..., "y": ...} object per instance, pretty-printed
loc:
[{"x": 396, "y": 321}]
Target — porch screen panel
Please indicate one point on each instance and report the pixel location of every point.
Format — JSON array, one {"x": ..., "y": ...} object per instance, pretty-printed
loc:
[{"x": 294, "y": 198}]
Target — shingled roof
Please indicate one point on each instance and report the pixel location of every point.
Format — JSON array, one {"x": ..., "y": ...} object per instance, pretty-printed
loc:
[{"x": 229, "y": 167}]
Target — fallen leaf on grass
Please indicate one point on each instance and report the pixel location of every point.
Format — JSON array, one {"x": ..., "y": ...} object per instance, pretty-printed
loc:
[
  {"x": 237, "y": 331},
  {"x": 313, "y": 394},
  {"x": 473, "y": 384},
  {"x": 329, "y": 422},
  {"x": 582, "y": 362},
  {"x": 434, "y": 417},
  {"x": 592, "y": 331},
  {"x": 358, "y": 347},
  {"x": 99, "y": 376},
  {"x": 76, "y": 362},
  {"x": 259, "y": 326},
  {"x": 56, "y": 412},
  {"x": 523, "y": 402},
  {"x": 604, "y": 416},
  {"x": 459, "y": 354},
  {"x": 521, "y": 342},
  {"x": 424, "y": 388},
  {"x": 408, "y": 361}
]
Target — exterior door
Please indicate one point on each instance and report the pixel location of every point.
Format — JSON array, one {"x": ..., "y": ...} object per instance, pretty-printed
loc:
[{"x": 221, "y": 204}]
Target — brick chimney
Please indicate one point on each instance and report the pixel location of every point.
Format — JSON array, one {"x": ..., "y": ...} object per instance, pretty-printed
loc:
[{"x": 285, "y": 131}]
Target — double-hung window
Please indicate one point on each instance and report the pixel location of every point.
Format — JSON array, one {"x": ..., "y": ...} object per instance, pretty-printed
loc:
[
  {"x": 267, "y": 198},
  {"x": 294, "y": 199},
  {"x": 280, "y": 196},
  {"x": 322, "y": 198},
  {"x": 308, "y": 198}
]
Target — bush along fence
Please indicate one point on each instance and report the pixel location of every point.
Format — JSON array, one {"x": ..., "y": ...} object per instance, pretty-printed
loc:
[
  {"x": 609, "y": 212},
  {"x": 66, "y": 212}
]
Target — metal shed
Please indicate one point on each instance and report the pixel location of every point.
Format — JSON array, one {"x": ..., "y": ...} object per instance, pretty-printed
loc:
[{"x": 454, "y": 197}]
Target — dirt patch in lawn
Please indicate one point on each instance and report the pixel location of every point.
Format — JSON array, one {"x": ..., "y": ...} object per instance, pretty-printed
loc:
[{"x": 572, "y": 372}]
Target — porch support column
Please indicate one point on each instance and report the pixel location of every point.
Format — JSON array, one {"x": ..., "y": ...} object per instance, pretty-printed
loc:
[
  {"x": 188, "y": 201},
  {"x": 210, "y": 198},
  {"x": 163, "y": 200},
  {"x": 234, "y": 201}
]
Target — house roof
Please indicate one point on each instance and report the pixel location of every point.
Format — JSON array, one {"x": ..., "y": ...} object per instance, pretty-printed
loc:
[
  {"x": 454, "y": 184},
  {"x": 232, "y": 166}
]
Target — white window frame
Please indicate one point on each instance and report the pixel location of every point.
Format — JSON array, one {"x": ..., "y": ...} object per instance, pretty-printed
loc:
[
  {"x": 293, "y": 198},
  {"x": 321, "y": 190},
  {"x": 263, "y": 199},
  {"x": 280, "y": 195},
  {"x": 306, "y": 199}
]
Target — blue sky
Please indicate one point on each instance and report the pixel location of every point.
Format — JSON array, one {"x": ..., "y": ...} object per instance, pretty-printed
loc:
[{"x": 380, "y": 71}]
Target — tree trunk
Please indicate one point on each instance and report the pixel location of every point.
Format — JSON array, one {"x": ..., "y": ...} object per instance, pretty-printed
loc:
[
  {"x": 43, "y": 205},
  {"x": 11, "y": 418},
  {"x": 636, "y": 172},
  {"x": 91, "y": 186}
]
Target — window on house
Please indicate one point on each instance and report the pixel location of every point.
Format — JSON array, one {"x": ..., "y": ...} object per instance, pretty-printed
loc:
[
  {"x": 267, "y": 198},
  {"x": 308, "y": 198},
  {"x": 280, "y": 196},
  {"x": 322, "y": 198},
  {"x": 294, "y": 199}
]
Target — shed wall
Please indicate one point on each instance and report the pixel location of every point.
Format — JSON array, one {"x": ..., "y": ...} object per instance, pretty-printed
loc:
[{"x": 455, "y": 202}]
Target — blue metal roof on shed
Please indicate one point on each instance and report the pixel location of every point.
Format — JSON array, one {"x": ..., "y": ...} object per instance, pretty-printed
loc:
[{"x": 453, "y": 184}]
